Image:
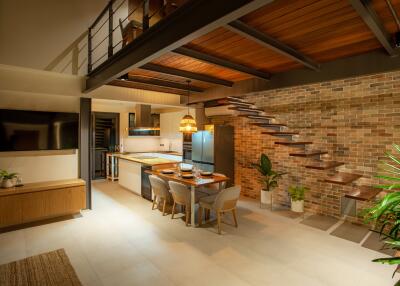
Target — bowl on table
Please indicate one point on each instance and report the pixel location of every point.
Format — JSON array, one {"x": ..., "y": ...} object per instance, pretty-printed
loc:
[
  {"x": 205, "y": 173},
  {"x": 187, "y": 176},
  {"x": 167, "y": 171},
  {"x": 186, "y": 170}
]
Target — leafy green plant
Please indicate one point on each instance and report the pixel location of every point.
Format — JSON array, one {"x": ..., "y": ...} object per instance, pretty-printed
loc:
[
  {"x": 269, "y": 178},
  {"x": 7, "y": 176},
  {"x": 297, "y": 192},
  {"x": 386, "y": 213}
]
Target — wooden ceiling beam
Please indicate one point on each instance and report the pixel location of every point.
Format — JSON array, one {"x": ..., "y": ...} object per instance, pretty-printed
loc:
[
  {"x": 204, "y": 57},
  {"x": 186, "y": 74},
  {"x": 253, "y": 34},
  {"x": 365, "y": 10},
  {"x": 194, "y": 19},
  {"x": 162, "y": 83}
]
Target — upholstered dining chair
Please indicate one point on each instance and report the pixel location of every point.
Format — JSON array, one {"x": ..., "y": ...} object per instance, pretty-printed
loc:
[
  {"x": 224, "y": 201},
  {"x": 181, "y": 195},
  {"x": 161, "y": 192}
]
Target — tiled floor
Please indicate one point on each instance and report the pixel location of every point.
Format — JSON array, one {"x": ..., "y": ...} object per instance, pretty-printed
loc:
[{"x": 123, "y": 242}]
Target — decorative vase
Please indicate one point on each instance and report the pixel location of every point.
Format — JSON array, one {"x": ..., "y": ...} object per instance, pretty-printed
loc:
[
  {"x": 7, "y": 183},
  {"x": 265, "y": 197},
  {"x": 297, "y": 206}
]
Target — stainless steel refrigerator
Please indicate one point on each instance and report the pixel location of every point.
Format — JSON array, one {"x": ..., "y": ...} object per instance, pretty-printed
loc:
[{"x": 213, "y": 150}]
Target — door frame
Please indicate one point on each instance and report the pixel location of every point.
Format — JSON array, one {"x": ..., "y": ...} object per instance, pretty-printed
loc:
[{"x": 106, "y": 115}]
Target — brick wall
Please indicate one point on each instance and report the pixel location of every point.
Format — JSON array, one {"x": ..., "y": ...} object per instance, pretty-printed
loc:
[{"x": 354, "y": 119}]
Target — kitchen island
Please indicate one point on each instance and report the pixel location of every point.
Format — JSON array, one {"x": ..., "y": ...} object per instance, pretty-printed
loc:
[{"x": 132, "y": 169}]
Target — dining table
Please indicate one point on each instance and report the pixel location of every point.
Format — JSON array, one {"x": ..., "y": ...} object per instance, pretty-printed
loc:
[{"x": 194, "y": 183}]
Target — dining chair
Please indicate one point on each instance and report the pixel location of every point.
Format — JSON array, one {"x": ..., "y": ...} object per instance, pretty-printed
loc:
[
  {"x": 130, "y": 32},
  {"x": 224, "y": 201},
  {"x": 181, "y": 195},
  {"x": 213, "y": 189},
  {"x": 161, "y": 192}
]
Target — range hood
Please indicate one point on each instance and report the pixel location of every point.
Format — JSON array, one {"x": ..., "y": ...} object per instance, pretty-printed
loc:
[{"x": 143, "y": 119}]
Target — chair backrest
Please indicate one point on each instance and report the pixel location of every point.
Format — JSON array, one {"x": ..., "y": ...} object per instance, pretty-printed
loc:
[
  {"x": 227, "y": 199},
  {"x": 180, "y": 193},
  {"x": 159, "y": 186}
]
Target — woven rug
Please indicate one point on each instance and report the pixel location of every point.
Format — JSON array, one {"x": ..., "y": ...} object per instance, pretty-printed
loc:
[{"x": 47, "y": 269}]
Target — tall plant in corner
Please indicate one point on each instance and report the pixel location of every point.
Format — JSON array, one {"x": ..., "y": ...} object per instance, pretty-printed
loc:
[
  {"x": 386, "y": 213},
  {"x": 269, "y": 178}
]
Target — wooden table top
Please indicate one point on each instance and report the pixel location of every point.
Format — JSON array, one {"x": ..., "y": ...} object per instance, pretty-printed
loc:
[
  {"x": 196, "y": 181},
  {"x": 42, "y": 186}
]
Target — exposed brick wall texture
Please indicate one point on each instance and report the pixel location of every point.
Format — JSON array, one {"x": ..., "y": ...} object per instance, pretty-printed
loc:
[{"x": 356, "y": 120}]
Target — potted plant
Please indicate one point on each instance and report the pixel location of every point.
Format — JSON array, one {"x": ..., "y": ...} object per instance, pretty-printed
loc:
[
  {"x": 7, "y": 179},
  {"x": 385, "y": 213},
  {"x": 269, "y": 178},
  {"x": 297, "y": 198}
]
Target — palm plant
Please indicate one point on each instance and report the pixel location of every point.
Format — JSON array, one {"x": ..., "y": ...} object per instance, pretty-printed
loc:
[
  {"x": 269, "y": 178},
  {"x": 297, "y": 193},
  {"x": 386, "y": 213}
]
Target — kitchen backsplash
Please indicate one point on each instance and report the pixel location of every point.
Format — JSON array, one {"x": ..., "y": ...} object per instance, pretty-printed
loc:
[{"x": 139, "y": 144}]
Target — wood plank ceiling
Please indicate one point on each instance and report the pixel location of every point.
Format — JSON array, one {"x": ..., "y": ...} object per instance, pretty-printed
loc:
[{"x": 323, "y": 30}]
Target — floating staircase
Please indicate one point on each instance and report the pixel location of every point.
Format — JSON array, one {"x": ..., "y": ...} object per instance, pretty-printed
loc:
[{"x": 259, "y": 118}]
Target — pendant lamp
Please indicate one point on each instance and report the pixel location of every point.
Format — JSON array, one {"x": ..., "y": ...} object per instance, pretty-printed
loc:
[{"x": 188, "y": 123}]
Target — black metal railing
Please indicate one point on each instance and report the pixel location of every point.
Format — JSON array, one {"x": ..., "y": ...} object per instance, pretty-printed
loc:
[{"x": 97, "y": 53}]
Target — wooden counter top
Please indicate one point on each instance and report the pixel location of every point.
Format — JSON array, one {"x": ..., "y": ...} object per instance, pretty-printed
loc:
[
  {"x": 42, "y": 186},
  {"x": 195, "y": 182},
  {"x": 149, "y": 162}
]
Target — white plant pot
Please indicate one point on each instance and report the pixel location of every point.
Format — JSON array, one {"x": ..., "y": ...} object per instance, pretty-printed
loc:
[
  {"x": 297, "y": 206},
  {"x": 7, "y": 183},
  {"x": 266, "y": 197}
]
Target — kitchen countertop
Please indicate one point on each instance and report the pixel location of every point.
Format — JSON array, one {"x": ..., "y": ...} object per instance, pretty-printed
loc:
[
  {"x": 147, "y": 161},
  {"x": 175, "y": 153}
]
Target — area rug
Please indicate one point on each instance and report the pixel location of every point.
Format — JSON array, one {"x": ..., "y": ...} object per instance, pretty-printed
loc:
[
  {"x": 47, "y": 269},
  {"x": 374, "y": 242},
  {"x": 321, "y": 222},
  {"x": 350, "y": 231}
]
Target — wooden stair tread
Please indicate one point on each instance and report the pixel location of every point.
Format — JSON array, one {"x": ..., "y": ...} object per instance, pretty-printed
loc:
[
  {"x": 280, "y": 133},
  {"x": 308, "y": 154},
  {"x": 238, "y": 108},
  {"x": 264, "y": 124},
  {"x": 234, "y": 98},
  {"x": 324, "y": 165},
  {"x": 293, "y": 143},
  {"x": 258, "y": 116},
  {"x": 342, "y": 178},
  {"x": 239, "y": 104},
  {"x": 363, "y": 193}
]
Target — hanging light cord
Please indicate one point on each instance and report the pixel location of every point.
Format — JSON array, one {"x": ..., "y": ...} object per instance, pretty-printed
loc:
[{"x": 188, "y": 96}]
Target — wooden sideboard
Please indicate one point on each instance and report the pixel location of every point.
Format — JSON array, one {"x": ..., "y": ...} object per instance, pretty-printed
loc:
[{"x": 39, "y": 201}]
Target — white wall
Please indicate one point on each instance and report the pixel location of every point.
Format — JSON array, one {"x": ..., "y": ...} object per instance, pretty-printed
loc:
[
  {"x": 39, "y": 166},
  {"x": 33, "y": 33}
]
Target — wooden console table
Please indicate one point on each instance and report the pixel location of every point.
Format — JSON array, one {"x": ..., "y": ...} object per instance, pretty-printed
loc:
[{"x": 39, "y": 201}]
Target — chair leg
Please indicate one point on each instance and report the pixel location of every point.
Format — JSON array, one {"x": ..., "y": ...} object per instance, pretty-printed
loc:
[
  {"x": 154, "y": 202},
  {"x": 234, "y": 217},
  {"x": 219, "y": 222},
  {"x": 163, "y": 209},
  {"x": 207, "y": 214},
  {"x": 173, "y": 210},
  {"x": 187, "y": 216},
  {"x": 200, "y": 216}
]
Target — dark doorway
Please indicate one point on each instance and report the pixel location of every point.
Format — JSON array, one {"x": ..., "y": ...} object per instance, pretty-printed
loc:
[{"x": 105, "y": 139}]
